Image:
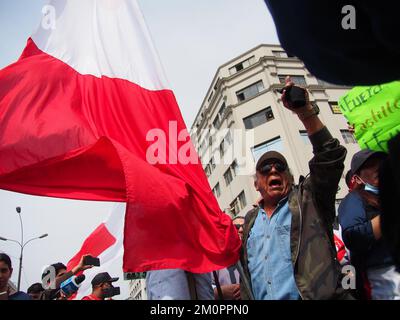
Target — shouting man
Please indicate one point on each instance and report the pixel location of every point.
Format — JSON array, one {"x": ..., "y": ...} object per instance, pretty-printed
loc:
[{"x": 288, "y": 250}]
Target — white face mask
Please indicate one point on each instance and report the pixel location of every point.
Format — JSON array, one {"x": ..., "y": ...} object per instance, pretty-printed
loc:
[{"x": 369, "y": 187}]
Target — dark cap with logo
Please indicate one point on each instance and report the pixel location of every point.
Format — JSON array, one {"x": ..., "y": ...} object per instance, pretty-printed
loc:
[
  {"x": 269, "y": 155},
  {"x": 362, "y": 156},
  {"x": 103, "y": 277}
]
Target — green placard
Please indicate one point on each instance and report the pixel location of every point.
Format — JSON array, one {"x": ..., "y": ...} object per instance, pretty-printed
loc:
[{"x": 375, "y": 113}]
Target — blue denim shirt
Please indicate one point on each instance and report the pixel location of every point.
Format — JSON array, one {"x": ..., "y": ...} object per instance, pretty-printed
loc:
[{"x": 269, "y": 255}]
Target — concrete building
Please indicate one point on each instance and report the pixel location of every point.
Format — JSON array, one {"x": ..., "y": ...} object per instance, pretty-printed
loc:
[
  {"x": 137, "y": 290},
  {"x": 242, "y": 98}
]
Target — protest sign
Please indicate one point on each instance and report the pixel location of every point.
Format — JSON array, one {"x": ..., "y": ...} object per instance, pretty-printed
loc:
[{"x": 375, "y": 113}]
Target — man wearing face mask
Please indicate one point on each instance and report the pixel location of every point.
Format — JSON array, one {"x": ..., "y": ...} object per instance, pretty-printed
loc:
[
  {"x": 100, "y": 282},
  {"x": 359, "y": 217}
]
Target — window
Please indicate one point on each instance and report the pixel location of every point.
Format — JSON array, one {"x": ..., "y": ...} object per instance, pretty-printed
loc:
[
  {"x": 335, "y": 108},
  {"x": 242, "y": 65},
  {"x": 212, "y": 163},
  {"x": 232, "y": 171},
  {"x": 279, "y": 54},
  {"x": 210, "y": 167},
  {"x": 217, "y": 190},
  {"x": 235, "y": 168},
  {"x": 227, "y": 141},
  {"x": 202, "y": 147},
  {"x": 217, "y": 122},
  {"x": 218, "y": 119},
  {"x": 304, "y": 136},
  {"x": 228, "y": 138},
  {"x": 274, "y": 144},
  {"x": 258, "y": 118},
  {"x": 250, "y": 91},
  {"x": 322, "y": 82},
  {"x": 299, "y": 80},
  {"x": 210, "y": 97},
  {"x": 326, "y": 83},
  {"x": 222, "y": 109},
  {"x": 217, "y": 83},
  {"x": 242, "y": 200},
  {"x": 348, "y": 137},
  {"x": 228, "y": 177},
  {"x": 235, "y": 209},
  {"x": 238, "y": 204},
  {"x": 282, "y": 54},
  {"x": 222, "y": 148},
  {"x": 208, "y": 170}
]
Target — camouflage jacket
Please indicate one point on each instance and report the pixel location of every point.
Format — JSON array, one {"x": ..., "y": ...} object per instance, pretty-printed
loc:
[{"x": 312, "y": 204}]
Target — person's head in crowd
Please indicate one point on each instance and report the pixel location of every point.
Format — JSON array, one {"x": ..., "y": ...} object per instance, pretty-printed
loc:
[
  {"x": 5, "y": 271},
  {"x": 273, "y": 177},
  {"x": 7, "y": 291},
  {"x": 59, "y": 268},
  {"x": 238, "y": 223},
  {"x": 35, "y": 291},
  {"x": 365, "y": 166},
  {"x": 54, "y": 293},
  {"x": 101, "y": 282},
  {"x": 351, "y": 181}
]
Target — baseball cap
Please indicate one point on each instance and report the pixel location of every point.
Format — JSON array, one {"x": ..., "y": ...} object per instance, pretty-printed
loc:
[
  {"x": 268, "y": 156},
  {"x": 102, "y": 278},
  {"x": 362, "y": 156}
]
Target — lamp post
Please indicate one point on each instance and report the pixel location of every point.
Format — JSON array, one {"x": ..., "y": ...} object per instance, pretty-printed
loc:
[{"x": 22, "y": 245}]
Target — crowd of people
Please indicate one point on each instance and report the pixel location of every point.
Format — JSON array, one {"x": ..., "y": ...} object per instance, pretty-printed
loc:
[
  {"x": 52, "y": 289},
  {"x": 294, "y": 243},
  {"x": 295, "y": 246}
]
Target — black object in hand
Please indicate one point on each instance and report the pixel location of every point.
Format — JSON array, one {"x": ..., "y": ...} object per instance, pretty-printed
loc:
[
  {"x": 91, "y": 261},
  {"x": 295, "y": 96}
]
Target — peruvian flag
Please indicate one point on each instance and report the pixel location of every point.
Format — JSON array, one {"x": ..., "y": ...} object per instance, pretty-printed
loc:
[{"x": 86, "y": 113}]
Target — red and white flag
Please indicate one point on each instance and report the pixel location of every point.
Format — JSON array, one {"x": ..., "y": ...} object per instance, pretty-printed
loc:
[
  {"x": 86, "y": 113},
  {"x": 105, "y": 243}
]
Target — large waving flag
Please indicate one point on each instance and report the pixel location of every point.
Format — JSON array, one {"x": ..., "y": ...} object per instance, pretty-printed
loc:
[{"x": 86, "y": 113}]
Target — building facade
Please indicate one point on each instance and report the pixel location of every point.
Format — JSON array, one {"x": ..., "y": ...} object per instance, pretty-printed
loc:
[
  {"x": 242, "y": 114},
  {"x": 137, "y": 289}
]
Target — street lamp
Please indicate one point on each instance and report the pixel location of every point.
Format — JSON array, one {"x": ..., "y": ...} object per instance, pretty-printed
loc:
[{"x": 22, "y": 245}]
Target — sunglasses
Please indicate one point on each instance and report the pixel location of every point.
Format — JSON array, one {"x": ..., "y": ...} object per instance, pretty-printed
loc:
[
  {"x": 238, "y": 226},
  {"x": 279, "y": 166}
]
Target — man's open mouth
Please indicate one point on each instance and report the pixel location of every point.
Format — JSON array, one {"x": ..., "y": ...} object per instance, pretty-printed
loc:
[{"x": 275, "y": 183}]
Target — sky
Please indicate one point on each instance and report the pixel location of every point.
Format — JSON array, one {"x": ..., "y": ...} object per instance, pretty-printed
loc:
[{"x": 193, "y": 39}]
